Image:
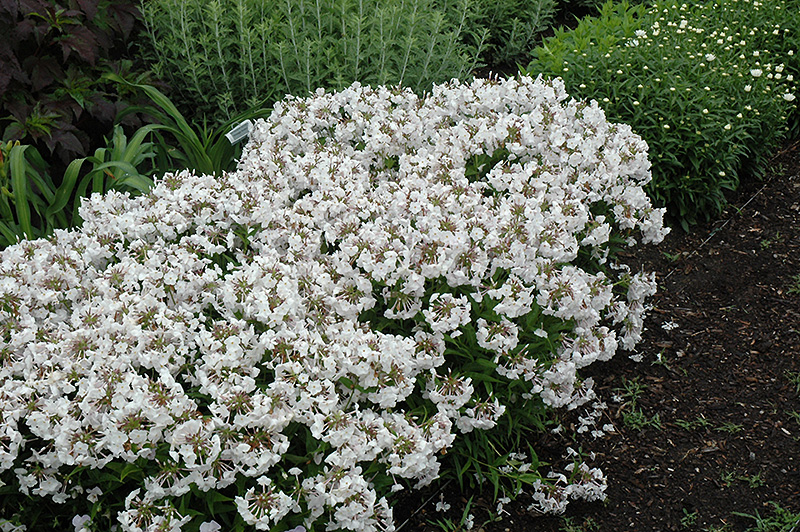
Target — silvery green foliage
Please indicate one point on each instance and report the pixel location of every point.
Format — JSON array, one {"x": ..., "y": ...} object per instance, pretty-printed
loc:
[
  {"x": 226, "y": 56},
  {"x": 209, "y": 326}
]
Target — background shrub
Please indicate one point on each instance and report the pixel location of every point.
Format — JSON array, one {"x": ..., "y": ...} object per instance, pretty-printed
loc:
[
  {"x": 222, "y": 57},
  {"x": 514, "y": 27},
  {"x": 708, "y": 85},
  {"x": 52, "y": 57}
]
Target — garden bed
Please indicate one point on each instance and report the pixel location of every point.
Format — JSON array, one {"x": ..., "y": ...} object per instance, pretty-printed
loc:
[{"x": 727, "y": 436}]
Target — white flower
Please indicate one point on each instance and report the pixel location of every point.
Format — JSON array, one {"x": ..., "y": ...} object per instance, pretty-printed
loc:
[
  {"x": 210, "y": 526},
  {"x": 748, "y": 88},
  {"x": 79, "y": 522},
  {"x": 441, "y": 505},
  {"x": 788, "y": 97},
  {"x": 756, "y": 72},
  {"x": 710, "y": 57},
  {"x": 469, "y": 523}
]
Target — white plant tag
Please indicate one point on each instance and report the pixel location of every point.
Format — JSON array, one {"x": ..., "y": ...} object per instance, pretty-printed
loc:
[{"x": 239, "y": 132}]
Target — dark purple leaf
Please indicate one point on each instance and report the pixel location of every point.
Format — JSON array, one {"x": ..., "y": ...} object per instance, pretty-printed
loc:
[
  {"x": 11, "y": 7},
  {"x": 24, "y": 30},
  {"x": 10, "y": 69},
  {"x": 67, "y": 143},
  {"x": 43, "y": 71},
  {"x": 19, "y": 109},
  {"x": 102, "y": 109},
  {"x": 5, "y": 79},
  {"x": 89, "y": 7},
  {"x": 105, "y": 39},
  {"x": 13, "y": 132},
  {"x": 82, "y": 41},
  {"x": 126, "y": 14},
  {"x": 64, "y": 106},
  {"x": 32, "y": 6}
]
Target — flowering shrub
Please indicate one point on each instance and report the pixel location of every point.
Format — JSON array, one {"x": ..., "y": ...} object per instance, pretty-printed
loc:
[
  {"x": 291, "y": 342},
  {"x": 709, "y": 85}
]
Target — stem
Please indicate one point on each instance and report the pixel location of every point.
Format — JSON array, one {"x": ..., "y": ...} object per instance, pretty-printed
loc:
[
  {"x": 188, "y": 48},
  {"x": 358, "y": 35},
  {"x": 292, "y": 35},
  {"x": 411, "y": 38}
]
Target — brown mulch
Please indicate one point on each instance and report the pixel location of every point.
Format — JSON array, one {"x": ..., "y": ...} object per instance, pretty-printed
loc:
[{"x": 727, "y": 439}]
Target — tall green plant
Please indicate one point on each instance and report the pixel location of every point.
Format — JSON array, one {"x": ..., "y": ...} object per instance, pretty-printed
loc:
[
  {"x": 32, "y": 205},
  {"x": 179, "y": 145},
  {"x": 224, "y": 57}
]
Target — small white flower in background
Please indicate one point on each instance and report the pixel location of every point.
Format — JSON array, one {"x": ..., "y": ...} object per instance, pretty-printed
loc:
[
  {"x": 94, "y": 494},
  {"x": 710, "y": 57},
  {"x": 748, "y": 88},
  {"x": 469, "y": 523},
  {"x": 789, "y": 97},
  {"x": 79, "y": 522},
  {"x": 501, "y": 502},
  {"x": 727, "y": 127},
  {"x": 210, "y": 526},
  {"x": 442, "y": 506},
  {"x": 756, "y": 72},
  {"x": 669, "y": 325}
]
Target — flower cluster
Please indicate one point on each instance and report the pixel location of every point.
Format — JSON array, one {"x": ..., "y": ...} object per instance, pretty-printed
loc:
[{"x": 218, "y": 327}]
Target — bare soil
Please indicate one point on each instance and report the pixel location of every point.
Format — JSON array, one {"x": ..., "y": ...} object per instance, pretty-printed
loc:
[{"x": 726, "y": 439}]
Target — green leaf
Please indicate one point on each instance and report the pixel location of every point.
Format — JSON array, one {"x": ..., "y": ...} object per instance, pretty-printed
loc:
[{"x": 19, "y": 187}]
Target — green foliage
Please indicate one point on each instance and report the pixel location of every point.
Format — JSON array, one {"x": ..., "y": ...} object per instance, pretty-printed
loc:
[
  {"x": 178, "y": 144},
  {"x": 689, "y": 518},
  {"x": 703, "y": 83},
  {"x": 221, "y": 58},
  {"x": 33, "y": 206},
  {"x": 781, "y": 520},
  {"x": 632, "y": 416},
  {"x": 52, "y": 56},
  {"x": 700, "y": 422},
  {"x": 794, "y": 289},
  {"x": 514, "y": 26},
  {"x": 794, "y": 376}
]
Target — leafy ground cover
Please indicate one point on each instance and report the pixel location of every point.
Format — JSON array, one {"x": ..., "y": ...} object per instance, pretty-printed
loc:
[{"x": 709, "y": 422}]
